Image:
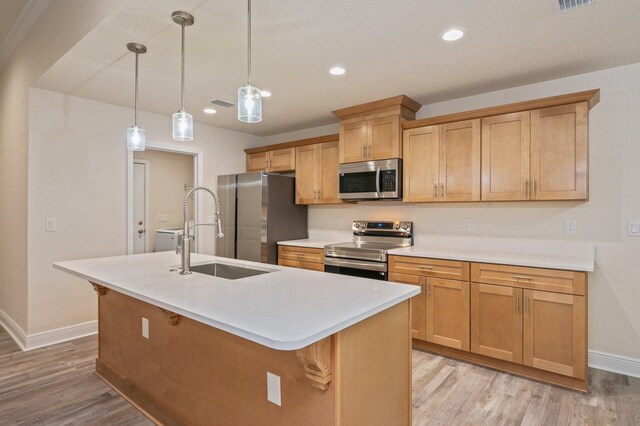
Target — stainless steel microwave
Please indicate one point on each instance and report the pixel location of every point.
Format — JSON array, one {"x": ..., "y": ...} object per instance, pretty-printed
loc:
[{"x": 371, "y": 180}]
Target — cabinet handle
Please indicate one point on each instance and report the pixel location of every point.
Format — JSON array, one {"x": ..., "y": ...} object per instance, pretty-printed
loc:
[
  {"x": 435, "y": 191},
  {"x": 525, "y": 187},
  {"x": 364, "y": 152},
  {"x": 533, "y": 186},
  {"x": 526, "y": 303},
  {"x": 517, "y": 302},
  {"x": 318, "y": 195},
  {"x": 424, "y": 267},
  {"x": 369, "y": 151},
  {"x": 442, "y": 190},
  {"x": 428, "y": 289},
  {"x": 521, "y": 277}
]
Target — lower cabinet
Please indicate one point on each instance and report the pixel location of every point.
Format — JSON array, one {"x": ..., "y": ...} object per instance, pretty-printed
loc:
[
  {"x": 510, "y": 322},
  {"x": 301, "y": 257}
]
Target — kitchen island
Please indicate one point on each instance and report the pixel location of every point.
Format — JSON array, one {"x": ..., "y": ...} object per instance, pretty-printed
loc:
[{"x": 198, "y": 349}]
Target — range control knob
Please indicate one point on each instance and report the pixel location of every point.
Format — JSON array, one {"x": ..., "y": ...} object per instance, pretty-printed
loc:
[
  {"x": 405, "y": 226},
  {"x": 396, "y": 226},
  {"x": 357, "y": 225}
]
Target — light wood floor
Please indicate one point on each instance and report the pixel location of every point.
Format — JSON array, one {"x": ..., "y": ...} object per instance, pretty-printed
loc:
[{"x": 56, "y": 386}]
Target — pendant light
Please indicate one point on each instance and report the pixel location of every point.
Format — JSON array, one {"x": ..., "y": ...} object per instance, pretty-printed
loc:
[
  {"x": 249, "y": 97},
  {"x": 182, "y": 121},
  {"x": 135, "y": 134}
]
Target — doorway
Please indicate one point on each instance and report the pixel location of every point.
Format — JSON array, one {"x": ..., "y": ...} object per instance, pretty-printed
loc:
[{"x": 158, "y": 180}]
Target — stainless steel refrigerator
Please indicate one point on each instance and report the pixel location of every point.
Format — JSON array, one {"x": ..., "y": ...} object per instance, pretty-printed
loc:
[{"x": 258, "y": 210}]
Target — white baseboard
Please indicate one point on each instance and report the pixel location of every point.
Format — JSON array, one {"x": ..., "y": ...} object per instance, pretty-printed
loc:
[
  {"x": 15, "y": 331},
  {"x": 58, "y": 335},
  {"x": 614, "y": 363}
]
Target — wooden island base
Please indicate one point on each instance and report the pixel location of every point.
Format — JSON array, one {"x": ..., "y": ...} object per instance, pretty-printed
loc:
[{"x": 188, "y": 373}]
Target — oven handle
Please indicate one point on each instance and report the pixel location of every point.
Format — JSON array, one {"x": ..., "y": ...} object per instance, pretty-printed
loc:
[
  {"x": 369, "y": 266},
  {"x": 378, "y": 181}
]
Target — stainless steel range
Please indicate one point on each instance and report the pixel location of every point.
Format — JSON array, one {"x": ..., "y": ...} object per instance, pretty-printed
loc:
[{"x": 366, "y": 255}]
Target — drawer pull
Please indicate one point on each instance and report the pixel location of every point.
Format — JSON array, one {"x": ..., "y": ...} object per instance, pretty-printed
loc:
[
  {"x": 517, "y": 302},
  {"x": 424, "y": 267},
  {"x": 521, "y": 277}
]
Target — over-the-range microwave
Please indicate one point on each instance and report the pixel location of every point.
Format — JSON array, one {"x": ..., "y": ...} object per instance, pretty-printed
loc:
[{"x": 371, "y": 180}]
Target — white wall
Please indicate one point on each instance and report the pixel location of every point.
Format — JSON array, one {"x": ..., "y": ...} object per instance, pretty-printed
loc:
[
  {"x": 614, "y": 145},
  {"x": 77, "y": 173}
]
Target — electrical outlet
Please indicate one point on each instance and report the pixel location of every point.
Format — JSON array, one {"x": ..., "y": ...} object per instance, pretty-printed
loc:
[
  {"x": 162, "y": 218},
  {"x": 570, "y": 226},
  {"x": 633, "y": 229},
  {"x": 145, "y": 328},
  {"x": 273, "y": 389},
  {"x": 471, "y": 224},
  {"x": 50, "y": 224}
]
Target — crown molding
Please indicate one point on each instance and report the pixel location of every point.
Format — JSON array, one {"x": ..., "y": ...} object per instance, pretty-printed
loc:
[{"x": 21, "y": 26}]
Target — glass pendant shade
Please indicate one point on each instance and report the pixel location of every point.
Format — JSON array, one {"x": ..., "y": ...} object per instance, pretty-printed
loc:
[
  {"x": 182, "y": 126},
  {"x": 249, "y": 104},
  {"x": 135, "y": 138}
]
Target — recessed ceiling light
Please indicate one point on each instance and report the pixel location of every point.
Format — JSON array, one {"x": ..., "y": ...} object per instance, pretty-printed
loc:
[
  {"x": 210, "y": 111},
  {"x": 453, "y": 34},
  {"x": 265, "y": 93},
  {"x": 337, "y": 71}
]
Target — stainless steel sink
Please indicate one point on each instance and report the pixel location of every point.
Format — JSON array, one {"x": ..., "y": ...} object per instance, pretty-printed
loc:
[{"x": 229, "y": 272}]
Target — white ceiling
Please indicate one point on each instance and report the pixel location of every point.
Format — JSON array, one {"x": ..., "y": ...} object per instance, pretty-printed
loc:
[
  {"x": 11, "y": 9},
  {"x": 388, "y": 48}
]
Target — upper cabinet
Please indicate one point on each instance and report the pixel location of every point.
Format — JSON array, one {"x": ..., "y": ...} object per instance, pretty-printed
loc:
[
  {"x": 317, "y": 174},
  {"x": 373, "y": 131},
  {"x": 279, "y": 160},
  {"x": 442, "y": 162}
]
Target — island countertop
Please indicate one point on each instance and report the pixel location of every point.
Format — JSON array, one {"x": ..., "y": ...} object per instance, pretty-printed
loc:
[{"x": 286, "y": 309}]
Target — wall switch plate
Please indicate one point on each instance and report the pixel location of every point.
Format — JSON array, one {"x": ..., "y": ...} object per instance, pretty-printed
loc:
[
  {"x": 50, "y": 224},
  {"x": 273, "y": 389},
  {"x": 633, "y": 228},
  {"x": 162, "y": 218},
  {"x": 145, "y": 328},
  {"x": 471, "y": 224},
  {"x": 570, "y": 226}
]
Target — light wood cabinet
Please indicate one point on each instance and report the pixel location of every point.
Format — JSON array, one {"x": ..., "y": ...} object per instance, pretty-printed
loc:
[
  {"x": 536, "y": 155},
  {"x": 442, "y": 163},
  {"x": 317, "y": 174},
  {"x": 301, "y": 257},
  {"x": 280, "y": 160},
  {"x": 440, "y": 313},
  {"x": 373, "y": 131}
]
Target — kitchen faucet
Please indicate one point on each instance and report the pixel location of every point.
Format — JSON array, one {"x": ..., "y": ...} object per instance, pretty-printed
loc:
[{"x": 185, "y": 247}]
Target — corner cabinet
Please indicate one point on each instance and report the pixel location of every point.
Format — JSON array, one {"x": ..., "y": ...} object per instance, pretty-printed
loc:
[
  {"x": 317, "y": 174},
  {"x": 527, "y": 321},
  {"x": 442, "y": 162},
  {"x": 373, "y": 131},
  {"x": 280, "y": 160}
]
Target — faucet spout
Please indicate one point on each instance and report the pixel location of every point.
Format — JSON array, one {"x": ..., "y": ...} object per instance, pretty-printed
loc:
[{"x": 186, "y": 231}]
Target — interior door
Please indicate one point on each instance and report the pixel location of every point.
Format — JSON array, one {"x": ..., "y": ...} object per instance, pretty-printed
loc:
[
  {"x": 421, "y": 164},
  {"x": 460, "y": 161},
  {"x": 139, "y": 203}
]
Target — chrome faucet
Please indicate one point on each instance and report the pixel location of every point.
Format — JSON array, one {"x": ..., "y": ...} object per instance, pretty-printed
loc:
[{"x": 185, "y": 247}]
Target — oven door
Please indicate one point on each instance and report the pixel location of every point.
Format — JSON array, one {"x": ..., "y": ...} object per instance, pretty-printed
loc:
[
  {"x": 370, "y": 180},
  {"x": 356, "y": 268}
]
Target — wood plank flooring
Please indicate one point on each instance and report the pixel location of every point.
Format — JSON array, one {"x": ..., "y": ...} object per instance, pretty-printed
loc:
[{"x": 56, "y": 386}]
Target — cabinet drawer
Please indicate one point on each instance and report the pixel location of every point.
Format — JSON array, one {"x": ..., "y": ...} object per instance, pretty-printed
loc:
[
  {"x": 448, "y": 269},
  {"x": 302, "y": 265},
  {"x": 302, "y": 254},
  {"x": 533, "y": 278}
]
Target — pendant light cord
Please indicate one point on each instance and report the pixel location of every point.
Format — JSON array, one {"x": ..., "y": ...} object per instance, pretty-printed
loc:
[
  {"x": 136, "y": 95},
  {"x": 182, "y": 72},
  {"x": 249, "y": 45}
]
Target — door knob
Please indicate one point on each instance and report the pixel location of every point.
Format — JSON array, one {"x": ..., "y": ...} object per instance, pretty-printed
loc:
[{"x": 140, "y": 231}]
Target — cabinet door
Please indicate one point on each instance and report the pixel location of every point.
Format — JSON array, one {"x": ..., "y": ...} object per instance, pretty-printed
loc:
[
  {"x": 448, "y": 313},
  {"x": 306, "y": 187},
  {"x": 496, "y": 321},
  {"x": 559, "y": 153},
  {"x": 353, "y": 141},
  {"x": 418, "y": 303},
  {"x": 505, "y": 157},
  {"x": 460, "y": 161},
  {"x": 283, "y": 160},
  {"x": 384, "y": 138},
  {"x": 420, "y": 164},
  {"x": 555, "y": 332},
  {"x": 327, "y": 168},
  {"x": 257, "y": 162}
]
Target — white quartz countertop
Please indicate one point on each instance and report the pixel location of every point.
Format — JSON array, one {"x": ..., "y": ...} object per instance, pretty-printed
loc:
[
  {"x": 311, "y": 243},
  {"x": 552, "y": 254},
  {"x": 286, "y": 309}
]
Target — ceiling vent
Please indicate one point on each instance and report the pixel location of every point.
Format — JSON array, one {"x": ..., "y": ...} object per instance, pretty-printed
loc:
[
  {"x": 572, "y": 4},
  {"x": 221, "y": 103}
]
